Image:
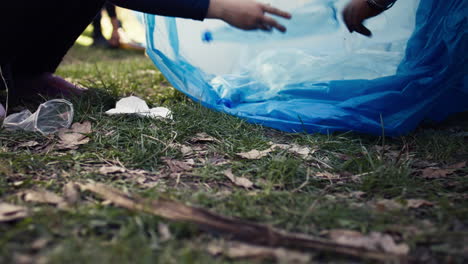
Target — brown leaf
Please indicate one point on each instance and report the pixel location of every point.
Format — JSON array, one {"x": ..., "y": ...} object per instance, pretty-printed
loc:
[
  {"x": 326, "y": 175},
  {"x": 41, "y": 196},
  {"x": 10, "y": 212},
  {"x": 373, "y": 241},
  {"x": 40, "y": 243},
  {"x": 203, "y": 138},
  {"x": 23, "y": 259},
  {"x": 186, "y": 150},
  {"x": 458, "y": 166},
  {"x": 387, "y": 205},
  {"x": 71, "y": 193},
  {"x": 164, "y": 232},
  {"x": 417, "y": 203},
  {"x": 177, "y": 166},
  {"x": 28, "y": 144},
  {"x": 255, "y": 154},
  {"x": 357, "y": 194},
  {"x": 239, "y": 181},
  {"x": 235, "y": 250},
  {"x": 302, "y": 151},
  {"x": 435, "y": 173},
  {"x": 75, "y": 136},
  {"x": 83, "y": 128},
  {"x": 105, "y": 170}
]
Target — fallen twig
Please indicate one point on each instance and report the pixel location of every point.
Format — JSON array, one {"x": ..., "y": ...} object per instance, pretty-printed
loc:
[{"x": 233, "y": 228}]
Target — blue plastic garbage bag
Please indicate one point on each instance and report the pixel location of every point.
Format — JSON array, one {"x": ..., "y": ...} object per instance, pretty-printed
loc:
[{"x": 319, "y": 78}]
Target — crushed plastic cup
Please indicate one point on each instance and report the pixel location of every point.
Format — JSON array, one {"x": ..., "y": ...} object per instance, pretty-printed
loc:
[{"x": 50, "y": 117}]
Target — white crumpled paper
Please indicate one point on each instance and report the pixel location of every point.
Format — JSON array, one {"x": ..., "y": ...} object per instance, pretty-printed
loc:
[{"x": 135, "y": 105}]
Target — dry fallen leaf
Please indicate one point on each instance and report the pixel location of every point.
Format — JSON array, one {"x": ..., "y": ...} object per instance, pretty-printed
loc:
[
  {"x": 111, "y": 170},
  {"x": 387, "y": 205},
  {"x": 417, "y": 203},
  {"x": 75, "y": 136},
  {"x": 186, "y": 150},
  {"x": 459, "y": 165},
  {"x": 357, "y": 194},
  {"x": 10, "y": 212},
  {"x": 435, "y": 173},
  {"x": 302, "y": 151},
  {"x": 71, "y": 193},
  {"x": 239, "y": 181},
  {"x": 41, "y": 196},
  {"x": 326, "y": 175},
  {"x": 236, "y": 250},
  {"x": 83, "y": 128},
  {"x": 164, "y": 232},
  {"x": 255, "y": 154},
  {"x": 373, "y": 241},
  {"x": 28, "y": 144},
  {"x": 40, "y": 243},
  {"x": 203, "y": 138},
  {"x": 177, "y": 166}
]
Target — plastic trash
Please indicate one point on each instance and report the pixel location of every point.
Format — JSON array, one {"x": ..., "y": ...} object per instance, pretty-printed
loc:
[
  {"x": 320, "y": 78},
  {"x": 50, "y": 117},
  {"x": 135, "y": 105}
]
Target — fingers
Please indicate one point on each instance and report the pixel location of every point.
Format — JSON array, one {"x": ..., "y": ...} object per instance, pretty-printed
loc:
[
  {"x": 275, "y": 11},
  {"x": 355, "y": 23},
  {"x": 347, "y": 19},
  {"x": 271, "y": 23},
  {"x": 363, "y": 30}
]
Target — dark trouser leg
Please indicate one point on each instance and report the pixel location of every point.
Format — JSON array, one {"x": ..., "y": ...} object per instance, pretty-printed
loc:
[
  {"x": 110, "y": 8},
  {"x": 36, "y": 35},
  {"x": 97, "y": 29}
]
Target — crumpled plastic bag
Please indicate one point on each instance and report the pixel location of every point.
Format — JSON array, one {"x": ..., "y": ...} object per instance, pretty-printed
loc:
[
  {"x": 50, "y": 117},
  {"x": 137, "y": 106}
]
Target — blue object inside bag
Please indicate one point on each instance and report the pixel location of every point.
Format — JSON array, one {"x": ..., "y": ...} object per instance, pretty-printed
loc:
[{"x": 318, "y": 77}]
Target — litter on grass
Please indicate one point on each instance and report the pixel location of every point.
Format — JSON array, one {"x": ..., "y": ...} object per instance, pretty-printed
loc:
[
  {"x": 137, "y": 106},
  {"x": 49, "y": 118}
]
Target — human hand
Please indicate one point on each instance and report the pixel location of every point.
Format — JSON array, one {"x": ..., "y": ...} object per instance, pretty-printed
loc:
[
  {"x": 247, "y": 14},
  {"x": 355, "y": 13}
]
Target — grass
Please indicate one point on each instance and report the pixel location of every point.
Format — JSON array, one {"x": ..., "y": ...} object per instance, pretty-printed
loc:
[{"x": 288, "y": 193}]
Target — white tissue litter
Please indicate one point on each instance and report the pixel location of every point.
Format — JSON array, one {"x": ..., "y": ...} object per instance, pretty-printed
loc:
[
  {"x": 49, "y": 118},
  {"x": 135, "y": 105}
]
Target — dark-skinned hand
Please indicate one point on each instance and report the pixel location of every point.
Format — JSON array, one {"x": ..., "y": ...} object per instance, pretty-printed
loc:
[{"x": 355, "y": 13}]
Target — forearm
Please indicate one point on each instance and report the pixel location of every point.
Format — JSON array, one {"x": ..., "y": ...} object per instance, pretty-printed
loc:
[{"x": 195, "y": 9}]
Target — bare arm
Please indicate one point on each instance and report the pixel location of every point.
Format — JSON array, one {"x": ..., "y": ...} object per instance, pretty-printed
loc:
[
  {"x": 244, "y": 14},
  {"x": 357, "y": 11}
]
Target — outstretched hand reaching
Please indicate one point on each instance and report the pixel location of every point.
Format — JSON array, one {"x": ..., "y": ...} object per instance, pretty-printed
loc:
[
  {"x": 355, "y": 13},
  {"x": 247, "y": 14}
]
